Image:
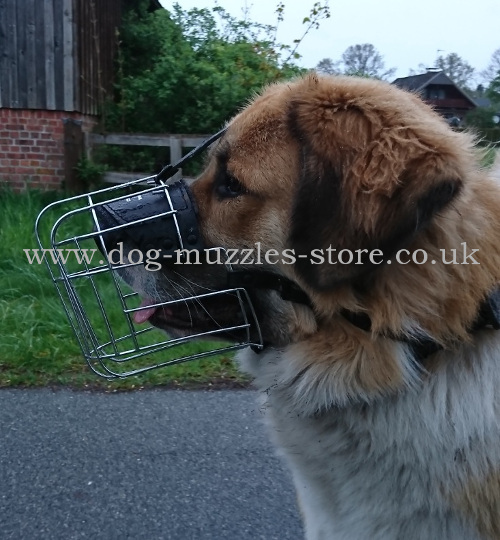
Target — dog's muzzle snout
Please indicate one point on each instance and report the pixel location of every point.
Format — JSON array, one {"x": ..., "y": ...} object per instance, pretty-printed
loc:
[{"x": 165, "y": 220}]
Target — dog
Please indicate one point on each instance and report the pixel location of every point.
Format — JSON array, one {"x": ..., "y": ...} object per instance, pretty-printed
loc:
[{"x": 382, "y": 390}]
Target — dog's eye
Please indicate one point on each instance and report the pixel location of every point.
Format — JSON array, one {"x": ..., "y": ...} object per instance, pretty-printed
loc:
[{"x": 229, "y": 187}]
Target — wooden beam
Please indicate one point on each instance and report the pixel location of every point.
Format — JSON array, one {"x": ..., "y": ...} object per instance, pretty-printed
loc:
[
  {"x": 22, "y": 65},
  {"x": 39, "y": 64},
  {"x": 50, "y": 82},
  {"x": 58, "y": 9},
  {"x": 5, "y": 68},
  {"x": 30, "y": 53},
  {"x": 68, "y": 64},
  {"x": 144, "y": 139},
  {"x": 11, "y": 52},
  {"x": 114, "y": 177}
]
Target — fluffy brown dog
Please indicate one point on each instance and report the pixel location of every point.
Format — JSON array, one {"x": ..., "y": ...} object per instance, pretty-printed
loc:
[{"x": 382, "y": 394}]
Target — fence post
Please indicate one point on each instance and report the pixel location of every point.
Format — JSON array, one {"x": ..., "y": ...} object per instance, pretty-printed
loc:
[
  {"x": 73, "y": 151},
  {"x": 176, "y": 154}
]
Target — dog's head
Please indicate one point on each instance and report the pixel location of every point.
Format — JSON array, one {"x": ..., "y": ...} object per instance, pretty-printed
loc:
[{"x": 311, "y": 165}]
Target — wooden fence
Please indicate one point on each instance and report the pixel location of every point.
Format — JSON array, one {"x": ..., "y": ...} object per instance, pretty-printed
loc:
[
  {"x": 57, "y": 54},
  {"x": 175, "y": 142}
]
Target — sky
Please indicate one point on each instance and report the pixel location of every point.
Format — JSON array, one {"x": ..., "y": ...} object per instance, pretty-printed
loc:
[{"x": 405, "y": 32}]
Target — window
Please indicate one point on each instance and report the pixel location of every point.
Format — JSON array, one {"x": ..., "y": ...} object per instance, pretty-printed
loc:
[{"x": 434, "y": 92}]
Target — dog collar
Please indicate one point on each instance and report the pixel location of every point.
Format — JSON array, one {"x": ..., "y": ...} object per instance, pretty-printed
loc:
[
  {"x": 488, "y": 317},
  {"x": 488, "y": 314}
]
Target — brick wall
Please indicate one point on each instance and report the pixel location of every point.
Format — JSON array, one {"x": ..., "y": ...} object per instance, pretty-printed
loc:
[{"x": 32, "y": 147}]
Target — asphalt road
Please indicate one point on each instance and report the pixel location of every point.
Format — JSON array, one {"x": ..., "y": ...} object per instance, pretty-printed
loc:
[{"x": 173, "y": 465}]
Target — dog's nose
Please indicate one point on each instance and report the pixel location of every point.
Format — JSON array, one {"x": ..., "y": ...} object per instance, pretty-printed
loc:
[{"x": 164, "y": 219}]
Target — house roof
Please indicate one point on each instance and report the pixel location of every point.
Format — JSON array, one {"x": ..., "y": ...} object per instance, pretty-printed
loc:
[{"x": 416, "y": 83}]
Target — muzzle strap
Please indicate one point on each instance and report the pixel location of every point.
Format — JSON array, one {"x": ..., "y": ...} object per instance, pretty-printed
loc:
[
  {"x": 255, "y": 279},
  {"x": 169, "y": 170}
]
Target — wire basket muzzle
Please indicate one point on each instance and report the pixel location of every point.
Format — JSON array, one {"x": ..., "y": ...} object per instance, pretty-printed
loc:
[{"x": 100, "y": 305}]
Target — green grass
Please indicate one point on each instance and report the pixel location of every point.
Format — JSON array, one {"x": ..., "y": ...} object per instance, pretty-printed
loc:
[
  {"x": 489, "y": 156},
  {"x": 37, "y": 344}
]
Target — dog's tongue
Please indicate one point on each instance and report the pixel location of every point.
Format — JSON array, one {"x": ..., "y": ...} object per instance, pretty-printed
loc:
[{"x": 143, "y": 315}]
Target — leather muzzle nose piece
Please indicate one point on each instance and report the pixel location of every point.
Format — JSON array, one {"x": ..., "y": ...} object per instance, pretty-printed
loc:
[{"x": 164, "y": 219}]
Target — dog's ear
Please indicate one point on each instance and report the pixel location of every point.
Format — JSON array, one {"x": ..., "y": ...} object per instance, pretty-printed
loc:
[{"x": 364, "y": 185}]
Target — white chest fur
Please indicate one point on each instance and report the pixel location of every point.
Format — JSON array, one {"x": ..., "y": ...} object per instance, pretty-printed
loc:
[{"x": 391, "y": 469}]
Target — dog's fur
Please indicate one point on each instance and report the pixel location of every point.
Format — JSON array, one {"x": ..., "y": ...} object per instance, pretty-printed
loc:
[{"x": 382, "y": 446}]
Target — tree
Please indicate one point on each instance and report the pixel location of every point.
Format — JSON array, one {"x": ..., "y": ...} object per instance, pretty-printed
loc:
[
  {"x": 482, "y": 118},
  {"x": 189, "y": 71},
  {"x": 457, "y": 69},
  {"x": 328, "y": 67},
  {"x": 361, "y": 60},
  {"x": 493, "y": 91},
  {"x": 493, "y": 69},
  {"x": 318, "y": 12}
]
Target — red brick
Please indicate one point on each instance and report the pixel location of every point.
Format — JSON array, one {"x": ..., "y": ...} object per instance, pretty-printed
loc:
[
  {"x": 45, "y": 143},
  {"x": 32, "y": 125},
  {"x": 31, "y": 146}
]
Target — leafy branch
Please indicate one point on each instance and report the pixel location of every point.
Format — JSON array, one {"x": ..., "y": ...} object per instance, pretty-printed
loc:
[{"x": 318, "y": 13}]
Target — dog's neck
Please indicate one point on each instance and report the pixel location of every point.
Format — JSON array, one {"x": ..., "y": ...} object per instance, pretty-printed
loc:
[{"x": 488, "y": 316}]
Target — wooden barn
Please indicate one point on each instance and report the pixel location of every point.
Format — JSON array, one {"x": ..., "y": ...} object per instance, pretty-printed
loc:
[{"x": 56, "y": 67}]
